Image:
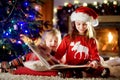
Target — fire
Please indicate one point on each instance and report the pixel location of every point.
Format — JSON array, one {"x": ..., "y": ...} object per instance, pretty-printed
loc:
[{"x": 110, "y": 37}]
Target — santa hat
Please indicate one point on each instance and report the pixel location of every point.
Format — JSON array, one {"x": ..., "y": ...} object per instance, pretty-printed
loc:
[{"x": 85, "y": 14}]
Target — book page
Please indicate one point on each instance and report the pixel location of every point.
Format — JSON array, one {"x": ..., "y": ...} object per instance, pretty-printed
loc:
[
  {"x": 64, "y": 66},
  {"x": 38, "y": 53},
  {"x": 49, "y": 61}
]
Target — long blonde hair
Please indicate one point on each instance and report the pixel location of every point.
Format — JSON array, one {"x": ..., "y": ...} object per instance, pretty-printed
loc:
[{"x": 91, "y": 31}]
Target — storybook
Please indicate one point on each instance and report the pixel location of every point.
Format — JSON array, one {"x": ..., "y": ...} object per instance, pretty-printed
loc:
[{"x": 49, "y": 61}]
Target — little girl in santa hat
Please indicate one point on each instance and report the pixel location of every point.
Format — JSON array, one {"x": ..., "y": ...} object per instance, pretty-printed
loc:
[{"x": 80, "y": 44}]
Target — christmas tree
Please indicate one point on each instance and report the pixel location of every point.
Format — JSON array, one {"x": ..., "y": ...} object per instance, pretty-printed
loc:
[{"x": 18, "y": 17}]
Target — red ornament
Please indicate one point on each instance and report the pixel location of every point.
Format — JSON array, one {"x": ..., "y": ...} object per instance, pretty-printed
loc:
[{"x": 59, "y": 7}]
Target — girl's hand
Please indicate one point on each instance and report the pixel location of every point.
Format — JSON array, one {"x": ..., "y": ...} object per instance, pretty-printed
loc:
[{"x": 93, "y": 64}]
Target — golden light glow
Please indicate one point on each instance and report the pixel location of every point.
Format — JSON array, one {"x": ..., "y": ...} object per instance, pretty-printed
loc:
[
  {"x": 110, "y": 37},
  {"x": 55, "y": 10},
  {"x": 105, "y": 1},
  {"x": 115, "y": 2},
  {"x": 3, "y": 47},
  {"x": 54, "y": 20},
  {"x": 76, "y": 1},
  {"x": 104, "y": 47},
  {"x": 95, "y": 3},
  {"x": 66, "y": 3},
  {"x": 85, "y": 4}
]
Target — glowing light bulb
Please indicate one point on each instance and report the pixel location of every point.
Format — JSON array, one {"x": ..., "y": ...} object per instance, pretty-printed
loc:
[
  {"x": 37, "y": 7},
  {"x": 54, "y": 21},
  {"x": 66, "y": 3},
  {"x": 7, "y": 34},
  {"x": 3, "y": 47},
  {"x": 95, "y": 3},
  {"x": 76, "y": 1},
  {"x": 55, "y": 10},
  {"x": 105, "y": 1},
  {"x": 115, "y": 2},
  {"x": 26, "y": 31},
  {"x": 85, "y": 4}
]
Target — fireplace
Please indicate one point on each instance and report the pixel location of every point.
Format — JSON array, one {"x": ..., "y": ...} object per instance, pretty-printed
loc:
[{"x": 108, "y": 36}]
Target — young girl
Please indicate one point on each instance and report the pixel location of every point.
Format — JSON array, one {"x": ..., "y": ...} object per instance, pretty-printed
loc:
[
  {"x": 48, "y": 44},
  {"x": 50, "y": 39},
  {"x": 80, "y": 44}
]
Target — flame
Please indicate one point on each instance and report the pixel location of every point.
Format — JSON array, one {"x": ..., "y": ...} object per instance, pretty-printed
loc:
[{"x": 110, "y": 37}]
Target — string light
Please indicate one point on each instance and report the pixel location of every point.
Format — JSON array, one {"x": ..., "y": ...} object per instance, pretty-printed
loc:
[
  {"x": 95, "y": 3},
  {"x": 55, "y": 10},
  {"x": 105, "y": 1},
  {"x": 26, "y": 31},
  {"x": 101, "y": 7},
  {"x": 76, "y": 1},
  {"x": 54, "y": 21},
  {"x": 7, "y": 34},
  {"x": 66, "y": 3},
  {"x": 10, "y": 30},
  {"x": 15, "y": 27},
  {"x": 37, "y": 7},
  {"x": 3, "y": 47},
  {"x": 85, "y": 4},
  {"x": 114, "y": 2},
  {"x": 26, "y": 4},
  {"x": 19, "y": 42}
]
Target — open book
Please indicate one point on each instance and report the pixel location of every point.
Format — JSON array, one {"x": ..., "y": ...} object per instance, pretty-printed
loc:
[{"x": 50, "y": 62}]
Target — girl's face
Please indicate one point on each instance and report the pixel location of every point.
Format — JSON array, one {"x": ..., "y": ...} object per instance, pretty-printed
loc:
[
  {"x": 81, "y": 27},
  {"x": 51, "y": 42}
]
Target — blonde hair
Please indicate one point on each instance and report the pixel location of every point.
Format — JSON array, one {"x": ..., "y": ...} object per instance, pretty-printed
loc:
[
  {"x": 53, "y": 32},
  {"x": 90, "y": 30}
]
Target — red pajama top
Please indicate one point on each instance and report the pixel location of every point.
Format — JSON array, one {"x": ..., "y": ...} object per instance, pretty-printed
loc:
[{"x": 79, "y": 51}]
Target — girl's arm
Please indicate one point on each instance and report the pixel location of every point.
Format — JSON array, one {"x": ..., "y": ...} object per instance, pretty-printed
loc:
[
  {"x": 94, "y": 54},
  {"x": 61, "y": 50}
]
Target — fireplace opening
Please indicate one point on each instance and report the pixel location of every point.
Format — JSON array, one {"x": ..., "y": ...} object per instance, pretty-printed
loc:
[{"x": 108, "y": 40}]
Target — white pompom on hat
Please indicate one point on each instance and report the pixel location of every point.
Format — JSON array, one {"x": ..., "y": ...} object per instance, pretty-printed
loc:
[{"x": 85, "y": 14}]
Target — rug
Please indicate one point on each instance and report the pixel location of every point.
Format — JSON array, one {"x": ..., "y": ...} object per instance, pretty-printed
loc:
[{"x": 8, "y": 76}]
